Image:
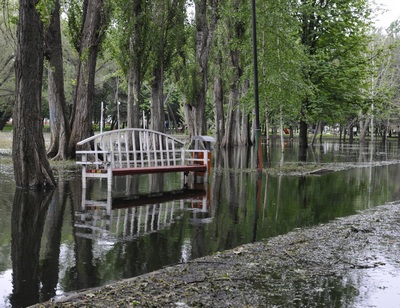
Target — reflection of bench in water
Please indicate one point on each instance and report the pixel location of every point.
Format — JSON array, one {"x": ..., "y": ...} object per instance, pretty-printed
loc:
[
  {"x": 138, "y": 215},
  {"x": 137, "y": 151}
]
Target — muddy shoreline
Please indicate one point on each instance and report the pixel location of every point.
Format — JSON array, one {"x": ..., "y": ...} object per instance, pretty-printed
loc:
[{"x": 326, "y": 265}]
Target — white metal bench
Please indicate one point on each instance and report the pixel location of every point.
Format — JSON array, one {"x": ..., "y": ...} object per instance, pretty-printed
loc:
[{"x": 137, "y": 151}]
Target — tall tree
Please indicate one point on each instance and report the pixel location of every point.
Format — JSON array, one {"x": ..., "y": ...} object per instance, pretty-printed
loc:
[
  {"x": 88, "y": 43},
  {"x": 31, "y": 167},
  {"x": 206, "y": 16},
  {"x": 167, "y": 40},
  {"x": 130, "y": 45},
  {"x": 236, "y": 28},
  {"x": 59, "y": 126},
  {"x": 138, "y": 50},
  {"x": 281, "y": 59},
  {"x": 335, "y": 38}
]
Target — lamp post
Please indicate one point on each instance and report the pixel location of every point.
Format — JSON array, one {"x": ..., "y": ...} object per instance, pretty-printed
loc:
[
  {"x": 257, "y": 195},
  {"x": 256, "y": 102}
]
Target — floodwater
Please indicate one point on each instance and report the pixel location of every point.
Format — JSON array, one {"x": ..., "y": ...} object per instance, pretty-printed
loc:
[{"x": 68, "y": 239}]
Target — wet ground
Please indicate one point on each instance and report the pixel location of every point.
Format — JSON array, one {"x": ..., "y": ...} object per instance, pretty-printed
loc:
[{"x": 349, "y": 262}]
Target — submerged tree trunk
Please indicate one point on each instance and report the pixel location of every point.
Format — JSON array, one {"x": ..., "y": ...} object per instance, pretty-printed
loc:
[
  {"x": 232, "y": 131},
  {"x": 59, "y": 126},
  {"x": 31, "y": 167},
  {"x": 303, "y": 140},
  {"x": 245, "y": 129},
  {"x": 81, "y": 119}
]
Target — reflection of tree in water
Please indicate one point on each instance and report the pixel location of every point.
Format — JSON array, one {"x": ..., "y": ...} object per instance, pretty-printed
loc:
[
  {"x": 49, "y": 262},
  {"x": 28, "y": 217},
  {"x": 84, "y": 274}
]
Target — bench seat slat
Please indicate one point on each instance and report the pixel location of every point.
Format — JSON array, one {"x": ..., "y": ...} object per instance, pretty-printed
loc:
[
  {"x": 159, "y": 169},
  {"x": 153, "y": 169}
]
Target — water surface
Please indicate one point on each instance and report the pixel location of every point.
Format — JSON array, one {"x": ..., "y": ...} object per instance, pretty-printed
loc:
[{"x": 68, "y": 239}]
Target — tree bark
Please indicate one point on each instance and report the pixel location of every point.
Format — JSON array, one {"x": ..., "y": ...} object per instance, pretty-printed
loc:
[
  {"x": 31, "y": 167},
  {"x": 59, "y": 126},
  {"x": 157, "y": 100},
  {"x": 232, "y": 132},
  {"x": 219, "y": 111},
  {"x": 91, "y": 37},
  {"x": 364, "y": 129},
  {"x": 303, "y": 140},
  {"x": 245, "y": 129},
  {"x": 133, "y": 108}
]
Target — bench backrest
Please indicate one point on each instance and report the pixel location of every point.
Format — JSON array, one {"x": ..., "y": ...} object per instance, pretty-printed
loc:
[{"x": 133, "y": 147}]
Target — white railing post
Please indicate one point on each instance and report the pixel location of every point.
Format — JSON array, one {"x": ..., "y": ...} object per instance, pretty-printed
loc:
[
  {"x": 110, "y": 164},
  {"x": 84, "y": 160}
]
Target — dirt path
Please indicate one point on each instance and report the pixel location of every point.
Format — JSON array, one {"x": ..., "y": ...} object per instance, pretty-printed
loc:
[{"x": 350, "y": 262}]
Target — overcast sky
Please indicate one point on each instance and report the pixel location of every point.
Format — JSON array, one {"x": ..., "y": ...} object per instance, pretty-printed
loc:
[{"x": 393, "y": 7}]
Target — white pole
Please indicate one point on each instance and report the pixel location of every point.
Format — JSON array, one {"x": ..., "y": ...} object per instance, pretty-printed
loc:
[
  {"x": 144, "y": 121},
  {"x": 101, "y": 118},
  {"x": 118, "y": 114}
]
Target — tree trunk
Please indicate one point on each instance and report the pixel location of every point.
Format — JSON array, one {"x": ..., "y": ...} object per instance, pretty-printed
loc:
[
  {"x": 59, "y": 126},
  {"x": 219, "y": 111},
  {"x": 81, "y": 119},
  {"x": 303, "y": 140},
  {"x": 31, "y": 167},
  {"x": 281, "y": 129},
  {"x": 364, "y": 129},
  {"x": 133, "y": 108},
  {"x": 157, "y": 121},
  {"x": 315, "y": 133},
  {"x": 245, "y": 129},
  {"x": 232, "y": 132},
  {"x": 351, "y": 133},
  {"x": 267, "y": 126}
]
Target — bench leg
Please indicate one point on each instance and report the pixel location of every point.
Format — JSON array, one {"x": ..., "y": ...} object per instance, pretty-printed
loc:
[
  {"x": 109, "y": 179},
  {"x": 84, "y": 177}
]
